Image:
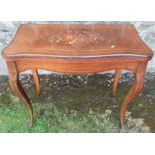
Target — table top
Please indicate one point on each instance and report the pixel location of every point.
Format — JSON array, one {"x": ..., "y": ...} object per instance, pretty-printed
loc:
[{"x": 77, "y": 40}]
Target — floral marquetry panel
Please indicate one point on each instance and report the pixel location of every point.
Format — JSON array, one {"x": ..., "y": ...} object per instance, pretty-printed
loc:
[{"x": 77, "y": 40}]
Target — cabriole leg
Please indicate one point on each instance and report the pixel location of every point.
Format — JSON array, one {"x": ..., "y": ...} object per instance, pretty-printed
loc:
[
  {"x": 117, "y": 77},
  {"x": 36, "y": 80},
  {"x": 18, "y": 90},
  {"x": 134, "y": 90}
]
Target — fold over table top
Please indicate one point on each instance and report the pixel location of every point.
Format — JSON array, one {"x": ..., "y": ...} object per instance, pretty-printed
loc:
[{"x": 75, "y": 40}]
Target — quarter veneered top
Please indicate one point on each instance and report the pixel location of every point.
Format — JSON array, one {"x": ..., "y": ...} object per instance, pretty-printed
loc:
[{"x": 75, "y": 40}]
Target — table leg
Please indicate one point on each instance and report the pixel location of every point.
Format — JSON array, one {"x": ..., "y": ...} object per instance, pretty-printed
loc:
[
  {"x": 37, "y": 81},
  {"x": 117, "y": 77},
  {"x": 134, "y": 90},
  {"x": 18, "y": 90}
]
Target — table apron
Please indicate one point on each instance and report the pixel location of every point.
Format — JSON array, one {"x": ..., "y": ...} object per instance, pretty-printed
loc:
[{"x": 77, "y": 66}]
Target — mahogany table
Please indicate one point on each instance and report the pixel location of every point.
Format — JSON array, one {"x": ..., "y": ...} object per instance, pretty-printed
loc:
[{"x": 77, "y": 49}]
